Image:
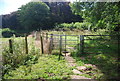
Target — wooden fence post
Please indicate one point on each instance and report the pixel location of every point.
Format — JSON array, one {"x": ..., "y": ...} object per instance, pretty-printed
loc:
[
  {"x": 81, "y": 44},
  {"x": 35, "y": 35},
  {"x": 65, "y": 44},
  {"x": 60, "y": 42},
  {"x": 41, "y": 41},
  {"x": 26, "y": 44},
  {"x": 10, "y": 46},
  {"x": 43, "y": 35},
  {"x": 51, "y": 42},
  {"x": 46, "y": 36}
]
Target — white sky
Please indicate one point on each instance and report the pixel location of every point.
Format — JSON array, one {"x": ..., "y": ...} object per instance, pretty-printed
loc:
[{"x": 11, "y": 5}]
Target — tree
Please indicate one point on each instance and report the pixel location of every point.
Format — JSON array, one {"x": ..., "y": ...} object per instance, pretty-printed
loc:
[
  {"x": 10, "y": 21},
  {"x": 61, "y": 12},
  {"x": 34, "y": 15},
  {"x": 102, "y": 15}
]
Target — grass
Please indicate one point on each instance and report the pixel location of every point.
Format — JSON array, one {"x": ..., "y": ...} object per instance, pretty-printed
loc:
[
  {"x": 102, "y": 54},
  {"x": 70, "y": 32},
  {"x": 19, "y": 56},
  {"x": 48, "y": 67}
]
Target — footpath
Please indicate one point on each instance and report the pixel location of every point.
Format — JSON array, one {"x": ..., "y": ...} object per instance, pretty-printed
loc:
[{"x": 77, "y": 73}]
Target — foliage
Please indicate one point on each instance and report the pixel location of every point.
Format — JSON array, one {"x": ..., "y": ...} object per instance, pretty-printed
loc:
[
  {"x": 29, "y": 20},
  {"x": 18, "y": 57},
  {"x": 48, "y": 67},
  {"x": 102, "y": 15},
  {"x": 76, "y": 25},
  {"x": 6, "y": 32},
  {"x": 11, "y": 21},
  {"x": 61, "y": 13},
  {"x": 34, "y": 15},
  {"x": 100, "y": 52}
]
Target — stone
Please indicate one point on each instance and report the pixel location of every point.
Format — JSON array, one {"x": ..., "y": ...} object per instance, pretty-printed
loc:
[
  {"x": 70, "y": 59},
  {"x": 94, "y": 66},
  {"x": 72, "y": 64},
  {"x": 78, "y": 77},
  {"x": 81, "y": 68},
  {"x": 76, "y": 71},
  {"x": 88, "y": 65}
]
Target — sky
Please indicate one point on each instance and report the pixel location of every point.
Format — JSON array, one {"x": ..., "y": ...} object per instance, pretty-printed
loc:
[{"x": 8, "y": 6}]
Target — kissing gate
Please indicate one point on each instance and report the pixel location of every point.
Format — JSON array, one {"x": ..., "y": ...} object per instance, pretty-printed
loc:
[
  {"x": 64, "y": 43},
  {"x": 83, "y": 44}
]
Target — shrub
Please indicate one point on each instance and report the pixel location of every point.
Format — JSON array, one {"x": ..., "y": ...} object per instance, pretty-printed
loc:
[
  {"x": 77, "y": 25},
  {"x": 6, "y": 32}
]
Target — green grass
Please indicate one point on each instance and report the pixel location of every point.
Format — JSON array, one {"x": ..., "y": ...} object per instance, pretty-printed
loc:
[
  {"x": 48, "y": 67},
  {"x": 104, "y": 56},
  {"x": 19, "y": 56}
]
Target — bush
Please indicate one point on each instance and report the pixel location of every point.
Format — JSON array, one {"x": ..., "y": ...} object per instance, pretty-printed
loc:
[
  {"x": 77, "y": 25},
  {"x": 6, "y": 32}
]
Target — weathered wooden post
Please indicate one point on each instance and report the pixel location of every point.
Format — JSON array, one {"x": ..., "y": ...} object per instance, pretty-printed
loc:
[
  {"x": 51, "y": 42},
  {"x": 26, "y": 44},
  {"x": 10, "y": 46},
  {"x": 46, "y": 36},
  {"x": 81, "y": 44},
  {"x": 43, "y": 35},
  {"x": 35, "y": 35},
  {"x": 65, "y": 44},
  {"x": 41, "y": 41},
  {"x": 60, "y": 42}
]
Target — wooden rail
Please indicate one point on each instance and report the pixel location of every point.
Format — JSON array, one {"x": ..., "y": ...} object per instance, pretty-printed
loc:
[{"x": 62, "y": 42}]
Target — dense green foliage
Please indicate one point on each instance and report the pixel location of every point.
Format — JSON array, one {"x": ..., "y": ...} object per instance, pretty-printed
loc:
[
  {"x": 11, "y": 21},
  {"x": 61, "y": 13},
  {"x": 6, "y": 32},
  {"x": 76, "y": 25},
  {"x": 34, "y": 15},
  {"x": 102, "y": 15}
]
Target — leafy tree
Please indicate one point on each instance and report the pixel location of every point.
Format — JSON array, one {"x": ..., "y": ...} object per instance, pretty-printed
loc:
[
  {"x": 102, "y": 15},
  {"x": 10, "y": 21},
  {"x": 34, "y": 15},
  {"x": 61, "y": 12}
]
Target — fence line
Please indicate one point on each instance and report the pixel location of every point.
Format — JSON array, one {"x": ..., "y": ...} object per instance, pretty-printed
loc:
[
  {"x": 63, "y": 42},
  {"x": 80, "y": 41}
]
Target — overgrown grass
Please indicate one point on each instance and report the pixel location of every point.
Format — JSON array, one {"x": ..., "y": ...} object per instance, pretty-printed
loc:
[
  {"x": 19, "y": 56},
  {"x": 48, "y": 67}
]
